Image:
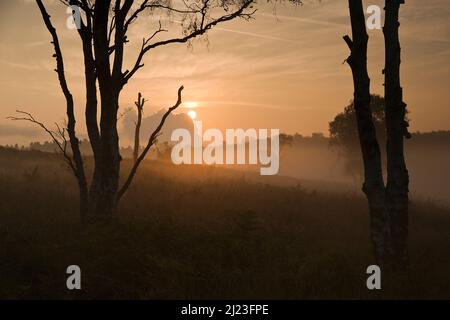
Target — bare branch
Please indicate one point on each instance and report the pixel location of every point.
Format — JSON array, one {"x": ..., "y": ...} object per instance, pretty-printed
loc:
[
  {"x": 134, "y": 15},
  {"x": 146, "y": 41},
  {"x": 26, "y": 116},
  {"x": 151, "y": 142},
  {"x": 146, "y": 5},
  {"x": 112, "y": 26},
  {"x": 348, "y": 41},
  {"x": 160, "y": 6},
  {"x": 83, "y": 4},
  {"x": 198, "y": 30}
]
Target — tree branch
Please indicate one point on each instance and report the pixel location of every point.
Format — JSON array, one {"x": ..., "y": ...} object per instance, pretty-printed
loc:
[
  {"x": 134, "y": 15},
  {"x": 26, "y": 116},
  {"x": 86, "y": 34},
  {"x": 145, "y": 5},
  {"x": 198, "y": 31},
  {"x": 150, "y": 143}
]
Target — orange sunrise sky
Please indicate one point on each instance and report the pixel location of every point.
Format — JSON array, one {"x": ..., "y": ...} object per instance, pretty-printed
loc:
[{"x": 284, "y": 69}]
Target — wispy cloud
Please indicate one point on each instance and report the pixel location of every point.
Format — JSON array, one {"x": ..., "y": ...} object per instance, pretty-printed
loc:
[
  {"x": 279, "y": 17},
  {"x": 258, "y": 35},
  {"x": 230, "y": 103}
]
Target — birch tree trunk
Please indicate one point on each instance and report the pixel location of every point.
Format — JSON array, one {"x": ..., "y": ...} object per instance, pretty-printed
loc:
[
  {"x": 105, "y": 181},
  {"x": 397, "y": 173},
  {"x": 373, "y": 186}
]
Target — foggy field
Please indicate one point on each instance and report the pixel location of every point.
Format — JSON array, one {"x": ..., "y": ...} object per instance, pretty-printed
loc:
[
  {"x": 427, "y": 157},
  {"x": 202, "y": 232}
]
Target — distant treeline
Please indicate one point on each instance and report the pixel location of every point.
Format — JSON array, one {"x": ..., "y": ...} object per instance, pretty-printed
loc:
[
  {"x": 434, "y": 137},
  {"x": 428, "y": 138},
  {"x": 51, "y": 147},
  {"x": 317, "y": 139}
]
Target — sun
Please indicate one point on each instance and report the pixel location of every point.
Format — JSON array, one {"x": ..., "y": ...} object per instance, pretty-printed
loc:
[{"x": 192, "y": 114}]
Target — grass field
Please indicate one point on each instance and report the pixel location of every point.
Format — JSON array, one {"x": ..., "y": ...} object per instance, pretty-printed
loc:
[{"x": 202, "y": 233}]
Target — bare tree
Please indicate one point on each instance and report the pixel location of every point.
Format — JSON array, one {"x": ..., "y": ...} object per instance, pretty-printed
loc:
[
  {"x": 103, "y": 33},
  {"x": 388, "y": 204},
  {"x": 140, "y": 107},
  {"x": 396, "y": 131},
  {"x": 373, "y": 185}
]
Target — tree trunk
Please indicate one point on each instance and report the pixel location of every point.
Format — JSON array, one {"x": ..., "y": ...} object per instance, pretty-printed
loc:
[
  {"x": 78, "y": 166},
  {"x": 103, "y": 192},
  {"x": 373, "y": 185},
  {"x": 397, "y": 173},
  {"x": 139, "y": 105},
  {"x": 105, "y": 183}
]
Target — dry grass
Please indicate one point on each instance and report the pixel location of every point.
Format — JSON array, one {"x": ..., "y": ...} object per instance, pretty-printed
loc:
[{"x": 194, "y": 232}]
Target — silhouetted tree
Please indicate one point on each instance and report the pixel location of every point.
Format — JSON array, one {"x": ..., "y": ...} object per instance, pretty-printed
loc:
[
  {"x": 344, "y": 133},
  {"x": 388, "y": 204},
  {"x": 396, "y": 130},
  {"x": 103, "y": 33},
  {"x": 373, "y": 185},
  {"x": 164, "y": 151}
]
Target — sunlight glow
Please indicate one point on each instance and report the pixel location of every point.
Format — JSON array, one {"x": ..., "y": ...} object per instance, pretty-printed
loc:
[{"x": 192, "y": 114}]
